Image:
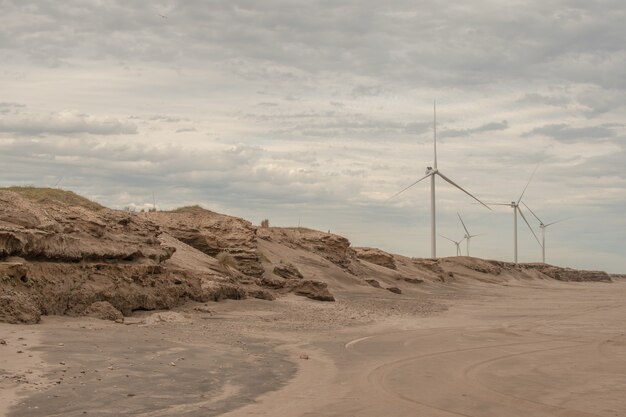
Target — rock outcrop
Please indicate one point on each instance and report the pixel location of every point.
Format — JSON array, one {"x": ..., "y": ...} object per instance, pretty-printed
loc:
[
  {"x": 376, "y": 256},
  {"x": 55, "y": 232},
  {"x": 331, "y": 247},
  {"x": 213, "y": 233},
  {"x": 568, "y": 274},
  {"x": 60, "y": 255}
]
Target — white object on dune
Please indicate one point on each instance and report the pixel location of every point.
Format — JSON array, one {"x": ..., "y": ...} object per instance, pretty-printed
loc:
[
  {"x": 432, "y": 172},
  {"x": 543, "y": 227}
]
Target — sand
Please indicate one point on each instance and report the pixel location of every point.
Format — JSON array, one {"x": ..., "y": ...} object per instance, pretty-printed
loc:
[{"x": 520, "y": 348}]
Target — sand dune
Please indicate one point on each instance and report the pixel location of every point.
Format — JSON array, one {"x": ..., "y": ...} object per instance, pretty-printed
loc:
[{"x": 400, "y": 336}]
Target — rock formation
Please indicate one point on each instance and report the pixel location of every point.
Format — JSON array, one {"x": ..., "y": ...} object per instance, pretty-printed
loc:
[
  {"x": 213, "y": 233},
  {"x": 376, "y": 256}
]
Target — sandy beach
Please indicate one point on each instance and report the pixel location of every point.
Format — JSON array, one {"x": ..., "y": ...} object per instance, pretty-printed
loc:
[{"x": 516, "y": 349}]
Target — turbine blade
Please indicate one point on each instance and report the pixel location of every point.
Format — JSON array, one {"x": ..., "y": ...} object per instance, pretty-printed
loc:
[
  {"x": 497, "y": 204},
  {"x": 528, "y": 224},
  {"x": 558, "y": 221},
  {"x": 466, "y": 231},
  {"x": 527, "y": 184},
  {"x": 447, "y": 238},
  {"x": 406, "y": 188},
  {"x": 459, "y": 187},
  {"x": 533, "y": 213},
  {"x": 479, "y": 234}
]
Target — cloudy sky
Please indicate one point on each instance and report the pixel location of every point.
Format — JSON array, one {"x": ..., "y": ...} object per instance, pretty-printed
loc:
[{"x": 316, "y": 112}]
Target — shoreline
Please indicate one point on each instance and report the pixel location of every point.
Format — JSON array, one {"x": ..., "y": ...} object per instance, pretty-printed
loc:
[{"x": 288, "y": 358}]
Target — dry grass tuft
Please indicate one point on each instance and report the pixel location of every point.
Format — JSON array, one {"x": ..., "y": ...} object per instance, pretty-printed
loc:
[{"x": 227, "y": 261}]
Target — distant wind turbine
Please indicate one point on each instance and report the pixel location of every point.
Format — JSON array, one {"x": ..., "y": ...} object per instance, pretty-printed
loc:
[
  {"x": 516, "y": 209},
  {"x": 467, "y": 236},
  {"x": 543, "y": 227},
  {"x": 432, "y": 172},
  {"x": 456, "y": 243}
]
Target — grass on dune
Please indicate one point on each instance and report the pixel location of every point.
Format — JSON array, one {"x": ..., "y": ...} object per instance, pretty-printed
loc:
[{"x": 54, "y": 194}]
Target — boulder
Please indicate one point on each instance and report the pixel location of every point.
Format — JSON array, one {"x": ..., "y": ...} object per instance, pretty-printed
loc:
[
  {"x": 103, "y": 310},
  {"x": 395, "y": 290},
  {"x": 315, "y": 290},
  {"x": 412, "y": 280},
  {"x": 376, "y": 256}
]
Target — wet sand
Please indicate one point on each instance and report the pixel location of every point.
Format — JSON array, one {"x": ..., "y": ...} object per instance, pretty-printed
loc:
[{"x": 539, "y": 348}]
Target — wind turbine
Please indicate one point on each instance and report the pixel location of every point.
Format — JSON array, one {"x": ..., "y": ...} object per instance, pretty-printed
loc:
[
  {"x": 516, "y": 209},
  {"x": 457, "y": 244},
  {"x": 467, "y": 236},
  {"x": 543, "y": 227},
  {"x": 432, "y": 172}
]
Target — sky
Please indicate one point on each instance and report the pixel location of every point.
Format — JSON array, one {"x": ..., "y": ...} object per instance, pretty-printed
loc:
[{"x": 314, "y": 113}]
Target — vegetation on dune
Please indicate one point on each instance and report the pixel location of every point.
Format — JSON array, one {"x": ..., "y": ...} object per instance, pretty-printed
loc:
[
  {"x": 41, "y": 194},
  {"x": 190, "y": 209}
]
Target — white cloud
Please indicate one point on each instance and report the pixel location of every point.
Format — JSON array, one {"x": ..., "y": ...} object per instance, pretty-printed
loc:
[{"x": 63, "y": 123}]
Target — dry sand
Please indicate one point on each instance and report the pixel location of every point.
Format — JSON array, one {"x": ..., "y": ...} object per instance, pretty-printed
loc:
[{"x": 519, "y": 348}]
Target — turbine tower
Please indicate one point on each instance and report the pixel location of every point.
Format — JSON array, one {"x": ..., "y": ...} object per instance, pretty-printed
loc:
[
  {"x": 456, "y": 243},
  {"x": 516, "y": 209},
  {"x": 467, "y": 236},
  {"x": 432, "y": 172},
  {"x": 543, "y": 227}
]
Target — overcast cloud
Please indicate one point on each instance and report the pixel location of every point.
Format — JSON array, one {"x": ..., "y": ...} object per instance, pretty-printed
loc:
[{"x": 315, "y": 112}]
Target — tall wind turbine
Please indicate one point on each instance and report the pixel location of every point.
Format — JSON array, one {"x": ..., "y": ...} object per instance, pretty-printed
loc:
[
  {"x": 467, "y": 236},
  {"x": 456, "y": 243},
  {"x": 432, "y": 172},
  {"x": 543, "y": 227},
  {"x": 516, "y": 209}
]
